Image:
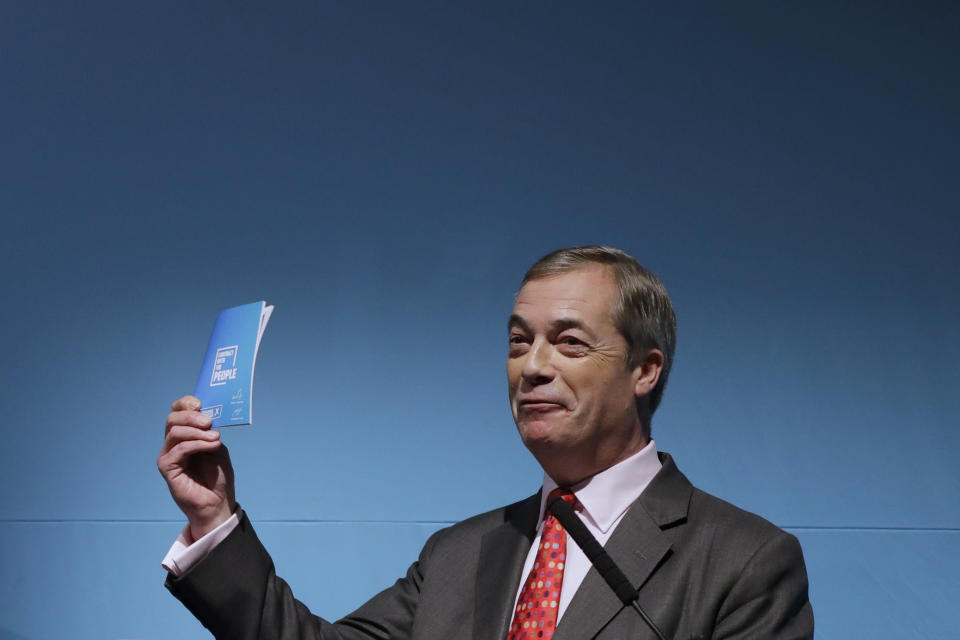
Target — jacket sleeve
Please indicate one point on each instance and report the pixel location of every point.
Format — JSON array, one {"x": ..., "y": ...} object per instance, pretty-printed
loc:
[
  {"x": 769, "y": 599},
  {"x": 235, "y": 593}
]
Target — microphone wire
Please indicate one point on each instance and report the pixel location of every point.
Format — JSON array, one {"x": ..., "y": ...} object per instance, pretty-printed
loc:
[{"x": 600, "y": 559}]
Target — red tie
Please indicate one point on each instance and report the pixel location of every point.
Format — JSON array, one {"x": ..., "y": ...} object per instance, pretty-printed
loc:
[{"x": 536, "y": 614}]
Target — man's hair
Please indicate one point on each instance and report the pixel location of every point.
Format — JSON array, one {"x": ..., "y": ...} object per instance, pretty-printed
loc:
[{"x": 642, "y": 313}]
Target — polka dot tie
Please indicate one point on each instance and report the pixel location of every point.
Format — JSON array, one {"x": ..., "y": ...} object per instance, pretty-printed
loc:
[{"x": 536, "y": 614}]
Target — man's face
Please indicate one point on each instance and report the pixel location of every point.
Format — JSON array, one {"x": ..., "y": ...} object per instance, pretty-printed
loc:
[{"x": 572, "y": 396}]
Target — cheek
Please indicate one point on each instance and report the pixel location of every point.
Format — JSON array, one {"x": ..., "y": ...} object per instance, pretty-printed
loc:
[
  {"x": 515, "y": 365},
  {"x": 514, "y": 368},
  {"x": 594, "y": 394},
  {"x": 614, "y": 398}
]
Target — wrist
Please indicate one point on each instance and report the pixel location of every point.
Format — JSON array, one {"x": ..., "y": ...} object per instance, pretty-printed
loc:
[{"x": 201, "y": 526}]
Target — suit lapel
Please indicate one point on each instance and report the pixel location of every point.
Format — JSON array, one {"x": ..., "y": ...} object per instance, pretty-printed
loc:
[
  {"x": 502, "y": 553},
  {"x": 638, "y": 546}
]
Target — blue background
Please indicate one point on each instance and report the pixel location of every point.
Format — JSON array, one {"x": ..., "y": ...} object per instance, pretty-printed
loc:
[{"x": 384, "y": 173}]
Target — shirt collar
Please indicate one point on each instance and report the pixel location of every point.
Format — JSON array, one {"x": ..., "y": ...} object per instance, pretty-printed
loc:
[{"x": 607, "y": 495}]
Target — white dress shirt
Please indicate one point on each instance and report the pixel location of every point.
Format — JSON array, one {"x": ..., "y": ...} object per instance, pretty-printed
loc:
[
  {"x": 604, "y": 499},
  {"x": 183, "y": 554}
]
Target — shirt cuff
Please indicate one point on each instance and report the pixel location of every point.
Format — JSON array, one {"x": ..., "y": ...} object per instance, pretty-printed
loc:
[{"x": 183, "y": 555}]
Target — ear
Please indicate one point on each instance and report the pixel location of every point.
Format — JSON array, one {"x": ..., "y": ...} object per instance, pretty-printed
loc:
[{"x": 647, "y": 373}]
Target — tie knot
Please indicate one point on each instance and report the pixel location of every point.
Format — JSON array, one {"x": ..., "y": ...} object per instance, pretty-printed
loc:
[{"x": 566, "y": 494}]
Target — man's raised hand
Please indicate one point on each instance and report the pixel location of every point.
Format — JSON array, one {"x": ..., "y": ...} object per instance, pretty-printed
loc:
[{"x": 196, "y": 466}]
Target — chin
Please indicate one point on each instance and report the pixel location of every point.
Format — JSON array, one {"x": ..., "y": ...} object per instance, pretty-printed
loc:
[{"x": 538, "y": 433}]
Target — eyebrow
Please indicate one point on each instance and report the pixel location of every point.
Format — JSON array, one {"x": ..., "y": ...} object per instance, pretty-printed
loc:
[
  {"x": 561, "y": 324},
  {"x": 517, "y": 321}
]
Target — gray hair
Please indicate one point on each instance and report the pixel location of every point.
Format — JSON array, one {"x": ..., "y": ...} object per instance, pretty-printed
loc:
[{"x": 643, "y": 313}]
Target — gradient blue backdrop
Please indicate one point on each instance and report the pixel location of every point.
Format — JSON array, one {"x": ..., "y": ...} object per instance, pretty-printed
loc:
[{"x": 384, "y": 173}]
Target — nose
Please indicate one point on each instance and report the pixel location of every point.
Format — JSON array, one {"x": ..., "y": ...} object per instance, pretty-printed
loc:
[{"x": 538, "y": 367}]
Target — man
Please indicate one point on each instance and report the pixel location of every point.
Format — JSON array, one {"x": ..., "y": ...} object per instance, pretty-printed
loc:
[{"x": 591, "y": 341}]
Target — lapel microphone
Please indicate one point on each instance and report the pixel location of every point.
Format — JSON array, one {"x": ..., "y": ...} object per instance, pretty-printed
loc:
[{"x": 600, "y": 559}]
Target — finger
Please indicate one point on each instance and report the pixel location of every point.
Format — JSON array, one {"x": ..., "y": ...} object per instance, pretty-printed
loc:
[
  {"x": 186, "y": 403},
  {"x": 188, "y": 418},
  {"x": 181, "y": 433},
  {"x": 180, "y": 453}
]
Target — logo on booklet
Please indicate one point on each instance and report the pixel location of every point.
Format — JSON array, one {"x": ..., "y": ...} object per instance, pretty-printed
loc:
[
  {"x": 224, "y": 366},
  {"x": 213, "y": 412}
]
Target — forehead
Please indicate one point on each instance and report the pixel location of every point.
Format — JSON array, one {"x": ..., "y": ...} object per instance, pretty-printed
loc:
[{"x": 586, "y": 293}]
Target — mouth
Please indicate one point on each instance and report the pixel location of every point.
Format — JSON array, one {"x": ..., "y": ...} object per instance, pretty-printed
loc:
[{"x": 538, "y": 405}]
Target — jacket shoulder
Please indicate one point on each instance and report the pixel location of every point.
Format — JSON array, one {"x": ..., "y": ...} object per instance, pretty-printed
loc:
[
  {"x": 729, "y": 517},
  {"x": 730, "y": 538},
  {"x": 521, "y": 514},
  {"x": 671, "y": 499}
]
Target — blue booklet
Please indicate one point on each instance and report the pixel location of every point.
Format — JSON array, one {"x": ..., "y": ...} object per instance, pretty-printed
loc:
[{"x": 225, "y": 387}]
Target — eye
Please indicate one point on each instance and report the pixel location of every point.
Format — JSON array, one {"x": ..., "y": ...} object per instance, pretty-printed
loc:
[
  {"x": 572, "y": 346},
  {"x": 518, "y": 343}
]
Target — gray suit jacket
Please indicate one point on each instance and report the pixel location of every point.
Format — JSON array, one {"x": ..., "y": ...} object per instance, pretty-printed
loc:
[{"x": 704, "y": 569}]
